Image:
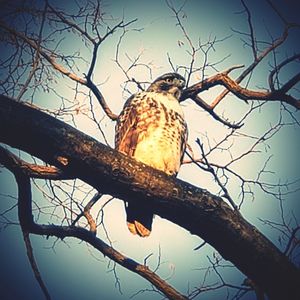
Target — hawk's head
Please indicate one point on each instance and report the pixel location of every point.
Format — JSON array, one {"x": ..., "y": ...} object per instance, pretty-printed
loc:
[{"x": 171, "y": 83}]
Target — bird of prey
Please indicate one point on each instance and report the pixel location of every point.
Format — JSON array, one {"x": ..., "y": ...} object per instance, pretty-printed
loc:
[{"x": 151, "y": 128}]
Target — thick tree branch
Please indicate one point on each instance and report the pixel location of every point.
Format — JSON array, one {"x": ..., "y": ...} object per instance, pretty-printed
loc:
[
  {"x": 29, "y": 226},
  {"x": 113, "y": 173}
]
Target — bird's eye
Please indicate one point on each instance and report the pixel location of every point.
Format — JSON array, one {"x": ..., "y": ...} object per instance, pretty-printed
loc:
[{"x": 169, "y": 80}]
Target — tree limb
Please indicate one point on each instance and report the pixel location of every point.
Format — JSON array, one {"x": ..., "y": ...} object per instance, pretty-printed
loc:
[
  {"x": 111, "y": 172},
  {"x": 46, "y": 54},
  {"x": 12, "y": 162},
  {"x": 28, "y": 225},
  {"x": 243, "y": 93},
  {"x": 255, "y": 63}
]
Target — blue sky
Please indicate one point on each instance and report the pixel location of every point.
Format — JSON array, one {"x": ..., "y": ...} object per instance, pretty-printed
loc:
[{"x": 71, "y": 269}]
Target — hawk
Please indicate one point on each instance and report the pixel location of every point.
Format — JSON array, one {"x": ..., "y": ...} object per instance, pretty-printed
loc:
[{"x": 151, "y": 128}]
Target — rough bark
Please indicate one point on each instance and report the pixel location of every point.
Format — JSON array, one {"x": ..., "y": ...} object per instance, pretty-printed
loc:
[{"x": 192, "y": 208}]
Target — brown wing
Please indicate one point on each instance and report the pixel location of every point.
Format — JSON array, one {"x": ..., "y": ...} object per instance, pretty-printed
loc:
[
  {"x": 128, "y": 130},
  {"x": 184, "y": 137},
  {"x": 183, "y": 133}
]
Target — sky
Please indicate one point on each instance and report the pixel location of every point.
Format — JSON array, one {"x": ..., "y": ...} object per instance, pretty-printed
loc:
[{"x": 71, "y": 269}]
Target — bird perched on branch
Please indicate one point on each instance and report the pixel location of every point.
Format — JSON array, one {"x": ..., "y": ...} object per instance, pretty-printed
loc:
[{"x": 151, "y": 128}]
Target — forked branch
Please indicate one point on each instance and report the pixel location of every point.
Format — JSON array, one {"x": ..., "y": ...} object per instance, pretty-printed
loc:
[
  {"x": 111, "y": 172},
  {"x": 243, "y": 93},
  {"x": 29, "y": 226},
  {"x": 50, "y": 57}
]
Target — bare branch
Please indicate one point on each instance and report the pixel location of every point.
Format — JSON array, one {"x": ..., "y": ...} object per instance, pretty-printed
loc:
[
  {"x": 208, "y": 108},
  {"x": 293, "y": 241},
  {"x": 253, "y": 42},
  {"x": 255, "y": 63},
  {"x": 101, "y": 99},
  {"x": 43, "y": 52},
  {"x": 72, "y": 24},
  {"x": 60, "y": 68},
  {"x": 86, "y": 212},
  {"x": 26, "y": 220},
  {"x": 243, "y": 93},
  {"x": 288, "y": 85},
  {"x": 28, "y": 224},
  {"x": 280, "y": 15},
  {"x": 33, "y": 263},
  {"x": 12, "y": 162},
  {"x": 280, "y": 66},
  {"x": 119, "y": 25},
  {"x": 93, "y": 62},
  {"x": 116, "y": 174},
  {"x": 36, "y": 65}
]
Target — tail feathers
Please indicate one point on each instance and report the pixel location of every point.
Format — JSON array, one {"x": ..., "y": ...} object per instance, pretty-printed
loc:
[
  {"x": 139, "y": 220},
  {"x": 138, "y": 228}
]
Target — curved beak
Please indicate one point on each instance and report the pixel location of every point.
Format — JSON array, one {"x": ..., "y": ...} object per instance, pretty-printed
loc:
[{"x": 180, "y": 83}]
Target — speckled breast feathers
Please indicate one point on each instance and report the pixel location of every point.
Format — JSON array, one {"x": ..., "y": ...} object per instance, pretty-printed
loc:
[{"x": 152, "y": 129}]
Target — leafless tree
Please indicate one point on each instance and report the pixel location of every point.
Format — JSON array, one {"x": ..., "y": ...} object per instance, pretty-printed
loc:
[{"x": 74, "y": 173}]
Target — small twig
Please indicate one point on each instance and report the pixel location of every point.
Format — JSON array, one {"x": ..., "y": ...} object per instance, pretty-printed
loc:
[
  {"x": 212, "y": 171},
  {"x": 291, "y": 241},
  {"x": 253, "y": 42},
  {"x": 200, "y": 246},
  {"x": 146, "y": 258},
  {"x": 200, "y": 102},
  {"x": 278, "y": 67},
  {"x": 86, "y": 213}
]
